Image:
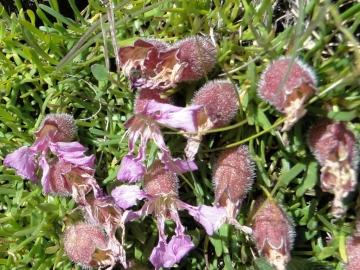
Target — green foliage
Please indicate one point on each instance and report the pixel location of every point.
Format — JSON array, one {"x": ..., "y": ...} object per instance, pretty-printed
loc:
[{"x": 60, "y": 66}]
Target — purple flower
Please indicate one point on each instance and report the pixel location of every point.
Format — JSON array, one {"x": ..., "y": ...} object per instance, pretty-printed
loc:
[
  {"x": 145, "y": 126},
  {"x": 161, "y": 187},
  {"x": 53, "y": 128}
]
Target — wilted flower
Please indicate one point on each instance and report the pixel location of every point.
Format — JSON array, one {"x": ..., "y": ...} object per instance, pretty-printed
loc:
[
  {"x": 233, "y": 176},
  {"x": 87, "y": 245},
  {"x": 353, "y": 253},
  {"x": 220, "y": 104},
  {"x": 187, "y": 60},
  {"x": 335, "y": 148},
  {"x": 161, "y": 186},
  {"x": 104, "y": 212},
  {"x": 151, "y": 64},
  {"x": 296, "y": 89},
  {"x": 273, "y": 232},
  {"x": 145, "y": 126},
  {"x": 53, "y": 128},
  {"x": 140, "y": 60},
  {"x": 71, "y": 173}
]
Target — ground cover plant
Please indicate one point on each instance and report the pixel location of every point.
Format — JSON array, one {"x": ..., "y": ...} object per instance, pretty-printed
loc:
[{"x": 150, "y": 143}]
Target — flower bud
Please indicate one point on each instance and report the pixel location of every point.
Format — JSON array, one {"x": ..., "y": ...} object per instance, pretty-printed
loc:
[
  {"x": 353, "y": 253},
  {"x": 273, "y": 232},
  {"x": 220, "y": 104},
  {"x": 158, "y": 180},
  {"x": 298, "y": 87},
  {"x": 86, "y": 245},
  {"x": 335, "y": 148},
  {"x": 59, "y": 127},
  {"x": 233, "y": 177}
]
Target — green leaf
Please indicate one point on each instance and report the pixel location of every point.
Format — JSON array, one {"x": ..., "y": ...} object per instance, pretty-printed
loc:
[
  {"x": 309, "y": 180},
  {"x": 100, "y": 72}
]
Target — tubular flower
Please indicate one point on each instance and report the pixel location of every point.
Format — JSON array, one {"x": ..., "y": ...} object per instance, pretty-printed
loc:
[
  {"x": 104, "y": 212},
  {"x": 220, "y": 103},
  {"x": 273, "y": 232},
  {"x": 233, "y": 177},
  {"x": 145, "y": 125},
  {"x": 296, "y": 89},
  {"x": 335, "y": 148},
  {"x": 53, "y": 128},
  {"x": 161, "y": 186},
  {"x": 87, "y": 245},
  {"x": 152, "y": 64}
]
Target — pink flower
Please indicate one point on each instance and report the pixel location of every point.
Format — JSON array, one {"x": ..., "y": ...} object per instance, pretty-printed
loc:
[
  {"x": 273, "y": 232},
  {"x": 298, "y": 87},
  {"x": 145, "y": 126},
  {"x": 70, "y": 173},
  {"x": 53, "y": 128},
  {"x": 335, "y": 147},
  {"x": 220, "y": 104},
  {"x": 233, "y": 177},
  {"x": 161, "y": 187}
]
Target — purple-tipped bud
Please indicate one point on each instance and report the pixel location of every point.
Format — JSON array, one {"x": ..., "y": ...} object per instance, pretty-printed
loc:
[
  {"x": 335, "y": 148},
  {"x": 353, "y": 253},
  {"x": 187, "y": 60},
  {"x": 298, "y": 87},
  {"x": 159, "y": 180},
  {"x": 273, "y": 232},
  {"x": 87, "y": 245},
  {"x": 220, "y": 104},
  {"x": 59, "y": 127},
  {"x": 233, "y": 177}
]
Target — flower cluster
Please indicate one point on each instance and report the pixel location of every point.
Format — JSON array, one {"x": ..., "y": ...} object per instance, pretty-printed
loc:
[
  {"x": 153, "y": 67},
  {"x": 66, "y": 171}
]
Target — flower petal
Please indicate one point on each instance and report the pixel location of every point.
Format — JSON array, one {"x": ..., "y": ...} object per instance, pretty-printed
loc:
[
  {"x": 131, "y": 169},
  {"x": 125, "y": 196},
  {"x": 23, "y": 161},
  {"x": 73, "y": 152},
  {"x": 177, "y": 165},
  {"x": 210, "y": 217},
  {"x": 173, "y": 116},
  {"x": 45, "y": 180}
]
